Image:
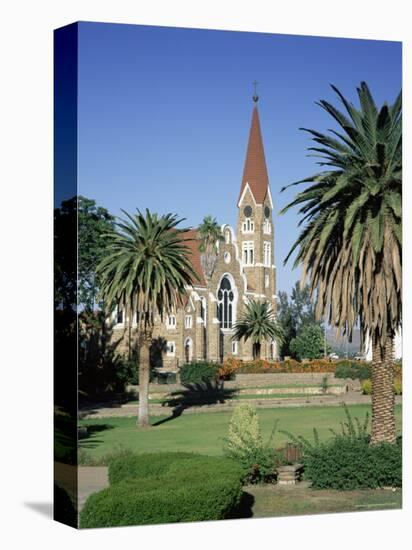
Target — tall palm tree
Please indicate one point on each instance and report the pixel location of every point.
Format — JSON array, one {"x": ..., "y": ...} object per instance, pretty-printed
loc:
[
  {"x": 146, "y": 270},
  {"x": 258, "y": 322},
  {"x": 210, "y": 235},
  {"x": 351, "y": 245}
]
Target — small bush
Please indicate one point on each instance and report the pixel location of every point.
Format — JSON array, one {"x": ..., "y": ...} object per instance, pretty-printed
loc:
[
  {"x": 129, "y": 465},
  {"x": 366, "y": 387},
  {"x": 195, "y": 373},
  {"x": 166, "y": 488},
  {"x": 348, "y": 461},
  {"x": 354, "y": 370},
  {"x": 397, "y": 386},
  {"x": 262, "y": 366},
  {"x": 245, "y": 445}
]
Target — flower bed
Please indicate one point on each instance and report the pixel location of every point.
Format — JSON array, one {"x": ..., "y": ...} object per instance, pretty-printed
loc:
[{"x": 235, "y": 366}]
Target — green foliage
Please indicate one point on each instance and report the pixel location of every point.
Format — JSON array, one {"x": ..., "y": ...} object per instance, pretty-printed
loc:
[
  {"x": 353, "y": 369},
  {"x": 351, "y": 216},
  {"x": 293, "y": 314},
  {"x": 324, "y": 384},
  {"x": 146, "y": 264},
  {"x": 93, "y": 223},
  {"x": 258, "y": 322},
  {"x": 165, "y": 488},
  {"x": 197, "y": 372},
  {"x": 129, "y": 465},
  {"x": 210, "y": 234},
  {"x": 245, "y": 445},
  {"x": 85, "y": 458},
  {"x": 397, "y": 386},
  {"x": 348, "y": 461},
  {"x": 309, "y": 343},
  {"x": 367, "y": 387}
]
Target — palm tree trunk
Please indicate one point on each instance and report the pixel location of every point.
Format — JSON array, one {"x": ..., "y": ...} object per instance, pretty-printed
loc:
[
  {"x": 256, "y": 350},
  {"x": 383, "y": 396},
  {"x": 144, "y": 378}
]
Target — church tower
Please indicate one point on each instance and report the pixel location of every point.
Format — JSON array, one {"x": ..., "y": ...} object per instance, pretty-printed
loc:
[{"x": 255, "y": 233}]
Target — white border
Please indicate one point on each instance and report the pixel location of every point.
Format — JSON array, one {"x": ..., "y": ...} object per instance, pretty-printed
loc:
[{"x": 26, "y": 43}]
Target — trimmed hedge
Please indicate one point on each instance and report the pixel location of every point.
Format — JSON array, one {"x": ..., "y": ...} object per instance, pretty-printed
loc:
[
  {"x": 196, "y": 373},
  {"x": 129, "y": 465},
  {"x": 165, "y": 488},
  {"x": 354, "y": 370},
  {"x": 352, "y": 463}
]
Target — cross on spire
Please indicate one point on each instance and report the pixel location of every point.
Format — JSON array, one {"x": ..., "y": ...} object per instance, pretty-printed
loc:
[{"x": 255, "y": 96}]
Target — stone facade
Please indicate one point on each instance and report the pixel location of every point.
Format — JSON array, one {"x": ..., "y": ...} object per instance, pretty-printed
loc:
[{"x": 244, "y": 269}]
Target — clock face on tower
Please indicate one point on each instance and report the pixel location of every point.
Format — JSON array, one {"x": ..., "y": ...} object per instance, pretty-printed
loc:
[
  {"x": 247, "y": 211},
  {"x": 267, "y": 211}
]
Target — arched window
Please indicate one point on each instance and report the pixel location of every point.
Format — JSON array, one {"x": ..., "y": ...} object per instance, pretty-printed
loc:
[
  {"x": 226, "y": 299},
  {"x": 248, "y": 226}
]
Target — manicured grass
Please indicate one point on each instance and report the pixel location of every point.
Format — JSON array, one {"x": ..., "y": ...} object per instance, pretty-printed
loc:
[
  {"x": 275, "y": 500},
  {"x": 205, "y": 432}
]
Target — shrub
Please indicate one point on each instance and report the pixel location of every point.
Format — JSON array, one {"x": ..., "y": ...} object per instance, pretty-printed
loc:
[
  {"x": 129, "y": 465},
  {"x": 167, "y": 487},
  {"x": 348, "y": 461},
  {"x": 397, "y": 386},
  {"x": 195, "y": 373},
  {"x": 262, "y": 366},
  {"x": 353, "y": 369},
  {"x": 245, "y": 445},
  {"x": 366, "y": 387},
  {"x": 229, "y": 368},
  {"x": 309, "y": 342}
]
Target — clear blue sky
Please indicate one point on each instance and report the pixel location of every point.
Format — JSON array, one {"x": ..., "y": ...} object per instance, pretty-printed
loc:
[{"x": 164, "y": 115}]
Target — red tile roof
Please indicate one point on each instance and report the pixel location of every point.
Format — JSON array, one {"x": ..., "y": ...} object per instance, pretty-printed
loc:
[
  {"x": 255, "y": 172},
  {"x": 194, "y": 256}
]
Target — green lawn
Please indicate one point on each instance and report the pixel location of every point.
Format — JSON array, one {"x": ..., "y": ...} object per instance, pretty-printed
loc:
[
  {"x": 204, "y": 432},
  {"x": 275, "y": 500}
]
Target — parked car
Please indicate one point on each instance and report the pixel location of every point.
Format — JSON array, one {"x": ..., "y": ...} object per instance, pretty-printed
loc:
[
  {"x": 333, "y": 356},
  {"x": 359, "y": 357}
]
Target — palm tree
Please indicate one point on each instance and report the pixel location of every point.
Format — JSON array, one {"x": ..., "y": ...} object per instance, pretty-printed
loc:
[
  {"x": 210, "y": 235},
  {"x": 146, "y": 271},
  {"x": 258, "y": 323},
  {"x": 351, "y": 245}
]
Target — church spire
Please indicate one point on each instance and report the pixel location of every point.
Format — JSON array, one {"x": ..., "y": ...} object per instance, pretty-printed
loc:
[{"x": 255, "y": 172}]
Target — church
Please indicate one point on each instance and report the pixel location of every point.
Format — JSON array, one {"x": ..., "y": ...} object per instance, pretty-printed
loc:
[{"x": 244, "y": 269}]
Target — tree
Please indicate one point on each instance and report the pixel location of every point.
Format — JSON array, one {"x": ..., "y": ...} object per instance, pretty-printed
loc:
[
  {"x": 93, "y": 222},
  {"x": 210, "y": 235},
  {"x": 309, "y": 343},
  {"x": 351, "y": 245},
  {"x": 258, "y": 323},
  {"x": 146, "y": 270},
  {"x": 293, "y": 314}
]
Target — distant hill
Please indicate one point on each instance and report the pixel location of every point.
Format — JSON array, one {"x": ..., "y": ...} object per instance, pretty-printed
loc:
[{"x": 338, "y": 344}]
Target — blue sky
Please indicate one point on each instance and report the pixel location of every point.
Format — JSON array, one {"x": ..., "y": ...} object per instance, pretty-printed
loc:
[{"x": 164, "y": 115}]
